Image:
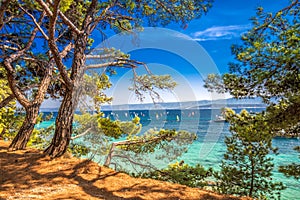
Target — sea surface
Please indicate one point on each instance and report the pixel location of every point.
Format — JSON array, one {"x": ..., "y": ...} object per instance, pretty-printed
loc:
[{"x": 209, "y": 148}]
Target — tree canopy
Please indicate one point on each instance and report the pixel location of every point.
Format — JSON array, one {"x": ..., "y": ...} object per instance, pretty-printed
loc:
[
  {"x": 247, "y": 168},
  {"x": 44, "y": 47},
  {"x": 267, "y": 66}
]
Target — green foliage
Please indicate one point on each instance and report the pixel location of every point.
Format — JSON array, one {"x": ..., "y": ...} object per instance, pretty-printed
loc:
[
  {"x": 153, "y": 13},
  {"x": 95, "y": 129},
  {"x": 116, "y": 129},
  {"x": 269, "y": 57},
  {"x": 93, "y": 95},
  {"x": 99, "y": 125},
  {"x": 87, "y": 124},
  {"x": 65, "y": 5},
  {"x": 247, "y": 168},
  {"x": 9, "y": 122},
  {"x": 123, "y": 25},
  {"x": 40, "y": 138},
  {"x": 150, "y": 150},
  {"x": 267, "y": 61},
  {"x": 192, "y": 176},
  {"x": 284, "y": 118},
  {"x": 102, "y": 130},
  {"x": 35, "y": 25},
  {"x": 292, "y": 170},
  {"x": 150, "y": 83},
  {"x": 153, "y": 140},
  {"x": 267, "y": 66},
  {"x": 75, "y": 11},
  {"x": 78, "y": 150},
  {"x": 135, "y": 148},
  {"x": 86, "y": 120}
]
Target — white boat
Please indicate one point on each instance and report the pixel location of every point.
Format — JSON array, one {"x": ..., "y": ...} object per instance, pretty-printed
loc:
[{"x": 220, "y": 118}]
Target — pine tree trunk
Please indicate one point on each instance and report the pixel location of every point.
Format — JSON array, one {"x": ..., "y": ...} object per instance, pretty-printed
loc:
[
  {"x": 63, "y": 128},
  {"x": 7, "y": 100},
  {"x": 23, "y": 136},
  {"x": 2, "y": 133},
  {"x": 64, "y": 120}
]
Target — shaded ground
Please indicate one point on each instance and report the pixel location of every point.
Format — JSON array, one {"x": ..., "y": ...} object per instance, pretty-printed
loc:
[{"x": 28, "y": 174}]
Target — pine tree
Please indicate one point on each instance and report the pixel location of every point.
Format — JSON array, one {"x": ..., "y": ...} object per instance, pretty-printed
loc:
[
  {"x": 267, "y": 65},
  {"x": 247, "y": 166}
]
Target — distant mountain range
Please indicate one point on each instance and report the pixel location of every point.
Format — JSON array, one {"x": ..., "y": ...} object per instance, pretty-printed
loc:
[{"x": 202, "y": 104}]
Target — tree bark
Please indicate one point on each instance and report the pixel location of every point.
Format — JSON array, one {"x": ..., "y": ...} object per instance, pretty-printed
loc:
[
  {"x": 64, "y": 120},
  {"x": 23, "y": 136},
  {"x": 2, "y": 133},
  {"x": 6, "y": 101},
  {"x": 31, "y": 107},
  {"x": 110, "y": 154},
  {"x": 63, "y": 127}
]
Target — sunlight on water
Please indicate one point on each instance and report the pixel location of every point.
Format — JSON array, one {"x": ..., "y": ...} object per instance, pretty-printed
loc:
[{"x": 209, "y": 148}]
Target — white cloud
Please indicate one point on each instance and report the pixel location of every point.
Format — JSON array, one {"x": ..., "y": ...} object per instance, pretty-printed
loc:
[
  {"x": 220, "y": 32},
  {"x": 182, "y": 36}
]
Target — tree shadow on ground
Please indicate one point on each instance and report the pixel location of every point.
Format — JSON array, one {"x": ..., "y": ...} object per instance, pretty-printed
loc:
[{"x": 30, "y": 173}]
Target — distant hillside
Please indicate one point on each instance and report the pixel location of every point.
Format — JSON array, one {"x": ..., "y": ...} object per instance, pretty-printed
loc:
[{"x": 203, "y": 104}]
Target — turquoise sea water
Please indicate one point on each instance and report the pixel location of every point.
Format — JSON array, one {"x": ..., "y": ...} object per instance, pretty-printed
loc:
[{"x": 209, "y": 148}]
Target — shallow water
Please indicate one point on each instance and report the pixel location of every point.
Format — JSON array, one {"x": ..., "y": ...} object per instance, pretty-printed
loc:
[{"x": 209, "y": 148}]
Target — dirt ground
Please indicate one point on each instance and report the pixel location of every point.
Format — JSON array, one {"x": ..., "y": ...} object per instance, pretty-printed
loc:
[{"x": 27, "y": 174}]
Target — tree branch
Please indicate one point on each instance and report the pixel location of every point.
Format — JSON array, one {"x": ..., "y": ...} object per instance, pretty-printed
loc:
[
  {"x": 11, "y": 71},
  {"x": 82, "y": 134},
  {"x": 35, "y": 22},
  {"x": 108, "y": 64},
  {"x": 134, "y": 162},
  {"x": 13, "y": 84},
  {"x": 69, "y": 23},
  {"x": 46, "y": 8},
  {"x": 3, "y": 8},
  {"x": 6, "y": 101},
  {"x": 8, "y": 47},
  {"x": 104, "y": 56},
  {"x": 165, "y": 7},
  {"x": 89, "y": 18},
  {"x": 126, "y": 63},
  {"x": 98, "y": 19},
  {"x": 54, "y": 49},
  {"x": 48, "y": 74},
  {"x": 128, "y": 143},
  {"x": 267, "y": 23}
]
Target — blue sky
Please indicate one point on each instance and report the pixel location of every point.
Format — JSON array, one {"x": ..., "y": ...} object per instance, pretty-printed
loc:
[
  {"x": 214, "y": 33},
  {"x": 224, "y": 24}
]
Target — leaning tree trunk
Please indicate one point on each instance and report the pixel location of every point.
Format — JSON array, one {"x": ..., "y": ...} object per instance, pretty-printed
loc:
[
  {"x": 63, "y": 127},
  {"x": 64, "y": 120},
  {"x": 23, "y": 136},
  {"x": 7, "y": 100},
  {"x": 2, "y": 133},
  {"x": 31, "y": 108}
]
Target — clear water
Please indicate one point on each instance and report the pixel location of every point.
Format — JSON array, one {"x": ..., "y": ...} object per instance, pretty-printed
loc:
[{"x": 209, "y": 148}]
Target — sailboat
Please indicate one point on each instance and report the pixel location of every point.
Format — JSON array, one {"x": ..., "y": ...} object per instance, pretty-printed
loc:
[
  {"x": 220, "y": 118},
  {"x": 177, "y": 118}
]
